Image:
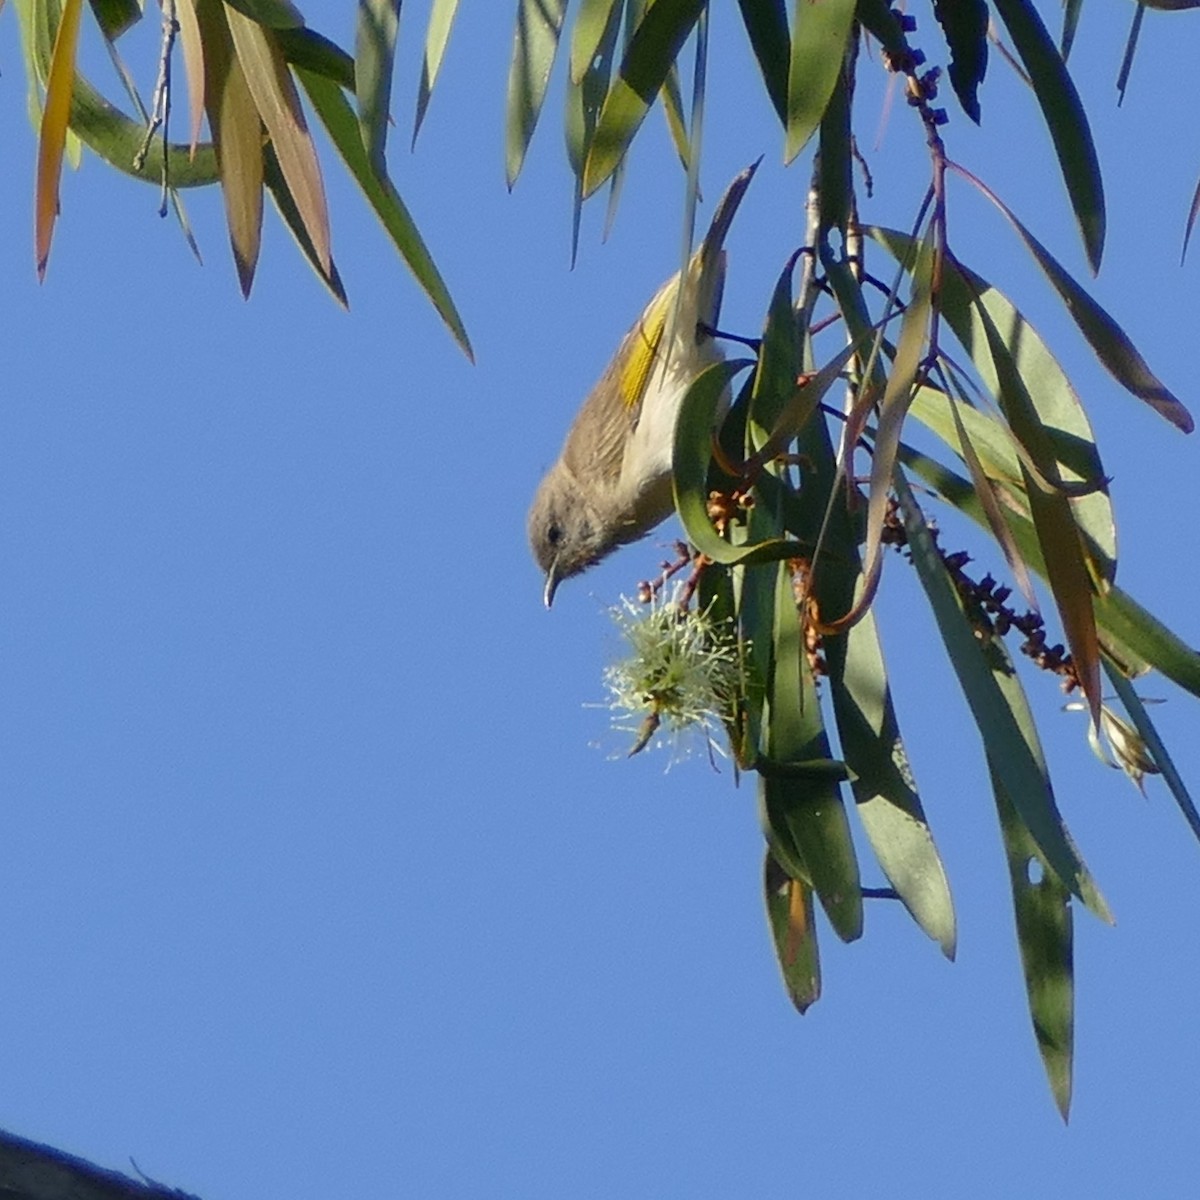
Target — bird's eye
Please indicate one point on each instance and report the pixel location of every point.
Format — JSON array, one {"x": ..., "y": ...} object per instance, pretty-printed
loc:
[{"x": 554, "y": 534}]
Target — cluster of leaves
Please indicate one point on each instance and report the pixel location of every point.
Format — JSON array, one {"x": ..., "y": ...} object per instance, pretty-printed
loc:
[
  {"x": 790, "y": 544},
  {"x": 247, "y": 63}
]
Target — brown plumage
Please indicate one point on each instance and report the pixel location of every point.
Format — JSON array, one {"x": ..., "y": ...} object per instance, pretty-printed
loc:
[{"x": 611, "y": 483}]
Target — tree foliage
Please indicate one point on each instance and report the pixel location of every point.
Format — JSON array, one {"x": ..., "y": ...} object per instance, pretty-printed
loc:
[{"x": 815, "y": 477}]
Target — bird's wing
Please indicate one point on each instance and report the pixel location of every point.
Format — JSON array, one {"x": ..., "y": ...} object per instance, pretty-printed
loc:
[
  {"x": 600, "y": 437},
  {"x": 610, "y": 414}
]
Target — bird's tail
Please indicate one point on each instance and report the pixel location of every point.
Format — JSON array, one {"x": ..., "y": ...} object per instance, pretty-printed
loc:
[
  {"x": 664, "y": 341},
  {"x": 706, "y": 270}
]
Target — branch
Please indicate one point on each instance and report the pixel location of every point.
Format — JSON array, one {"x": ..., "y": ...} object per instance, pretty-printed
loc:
[{"x": 31, "y": 1171}]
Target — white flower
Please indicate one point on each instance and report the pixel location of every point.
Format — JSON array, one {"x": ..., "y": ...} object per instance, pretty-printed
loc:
[
  {"x": 1128, "y": 751},
  {"x": 681, "y": 676}
]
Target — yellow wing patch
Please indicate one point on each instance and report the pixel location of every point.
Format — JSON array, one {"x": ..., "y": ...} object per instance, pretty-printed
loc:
[{"x": 647, "y": 338}]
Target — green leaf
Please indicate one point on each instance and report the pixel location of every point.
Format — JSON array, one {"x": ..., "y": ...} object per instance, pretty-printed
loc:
[
  {"x": 800, "y": 403},
  {"x": 115, "y": 17},
  {"x": 308, "y": 49},
  {"x": 806, "y": 814},
  {"x": 1158, "y": 751},
  {"x": 885, "y": 792},
  {"x": 1065, "y": 118},
  {"x": 286, "y": 207},
  {"x": 965, "y": 24},
  {"x": 1045, "y": 935},
  {"x": 1120, "y": 615},
  {"x": 539, "y": 25},
  {"x": 820, "y": 33},
  {"x": 272, "y": 14},
  {"x": 993, "y": 694},
  {"x": 1128, "y": 628},
  {"x": 835, "y": 162},
  {"x": 995, "y": 447},
  {"x": 780, "y": 357},
  {"x": 672, "y": 102},
  {"x": 990, "y": 501},
  {"x": 583, "y": 108},
  {"x": 882, "y": 22},
  {"x": 441, "y": 18},
  {"x": 806, "y": 828},
  {"x": 342, "y": 126},
  {"x": 692, "y": 455},
  {"x": 591, "y": 30},
  {"x": 585, "y": 97},
  {"x": 1190, "y": 223},
  {"x": 652, "y": 50},
  {"x": 1053, "y": 418},
  {"x": 767, "y": 27},
  {"x": 794, "y": 933},
  {"x": 374, "y": 55},
  {"x": 967, "y": 306},
  {"x": 893, "y": 409},
  {"x": 1109, "y": 341},
  {"x": 1131, "y": 43},
  {"x": 1053, "y": 518},
  {"x": 693, "y": 452},
  {"x": 1071, "y": 11}
]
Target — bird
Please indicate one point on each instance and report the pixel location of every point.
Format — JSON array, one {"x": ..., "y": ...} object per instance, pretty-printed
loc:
[{"x": 611, "y": 483}]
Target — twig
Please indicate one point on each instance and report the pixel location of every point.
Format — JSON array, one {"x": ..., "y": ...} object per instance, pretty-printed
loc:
[{"x": 160, "y": 104}]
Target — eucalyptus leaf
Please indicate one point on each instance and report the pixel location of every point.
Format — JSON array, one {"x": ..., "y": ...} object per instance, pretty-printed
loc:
[
  {"x": 437, "y": 35},
  {"x": 820, "y": 34},
  {"x": 1045, "y": 934},
  {"x": 767, "y": 28},
  {"x": 965, "y": 24},
  {"x": 535, "y": 43},
  {"x": 374, "y": 56},
  {"x": 996, "y": 703},
  {"x": 793, "y": 932},
  {"x": 1065, "y": 119},
  {"x": 652, "y": 50}
]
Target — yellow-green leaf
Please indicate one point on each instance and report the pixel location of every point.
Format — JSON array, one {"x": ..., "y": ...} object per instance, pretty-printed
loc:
[
  {"x": 652, "y": 50},
  {"x": 275, "y": 97},
  {"x": 273, "y": 14},
  {"x": 340, "y": 123},
  {"x": 589, "y": 32},
  {"x": 374, "y": 55},
  {"x": 794, "y": 933},
  {"x": 238, "y": 137},
  {"x": 193, "y": 65},
  {"x": 535, "y": 43},
  {"x": 105, "y": 129},
  {"x": 286, "y": 207},
  {"x": 1042, "y": 906},
  {"x": 441, "y": 18},
  {"x": 53, "y": 134},
  {"x": 998, "y": 705}
]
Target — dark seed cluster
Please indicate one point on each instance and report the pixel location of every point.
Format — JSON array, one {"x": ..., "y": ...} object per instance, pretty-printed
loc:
[{"x": 986, "y": 604}]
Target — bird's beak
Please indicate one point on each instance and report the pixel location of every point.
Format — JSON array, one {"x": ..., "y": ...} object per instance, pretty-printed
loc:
[{"x": 552, "y": 581}]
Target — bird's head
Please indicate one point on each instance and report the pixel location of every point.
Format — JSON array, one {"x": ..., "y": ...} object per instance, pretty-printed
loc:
[{"x": 565, "y": 532}]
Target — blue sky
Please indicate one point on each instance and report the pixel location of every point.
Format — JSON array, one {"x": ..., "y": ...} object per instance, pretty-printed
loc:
[{"x": 316, "y": 882}]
